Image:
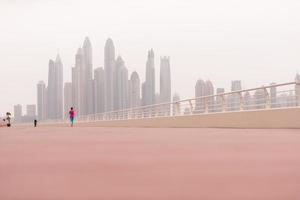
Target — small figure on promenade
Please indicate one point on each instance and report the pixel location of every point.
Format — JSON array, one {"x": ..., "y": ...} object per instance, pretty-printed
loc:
[
  {"x": 72, "y": 115},
  {"x": 8, "y": 119},
  {"x": 35, "y": 122}
]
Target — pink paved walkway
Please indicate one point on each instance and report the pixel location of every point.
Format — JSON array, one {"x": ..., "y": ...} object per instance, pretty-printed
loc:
[{"x": 149, "y": 164}]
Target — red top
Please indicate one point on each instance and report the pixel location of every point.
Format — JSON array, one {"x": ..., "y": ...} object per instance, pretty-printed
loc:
[{"x": 71, "y": 113}]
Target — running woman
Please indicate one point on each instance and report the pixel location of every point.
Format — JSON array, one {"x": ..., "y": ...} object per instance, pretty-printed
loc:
[{"x": 71, "y": 115}]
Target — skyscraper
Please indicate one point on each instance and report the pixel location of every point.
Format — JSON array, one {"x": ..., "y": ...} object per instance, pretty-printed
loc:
[
  {"x": 165, "y": 80},
  {"x": 109, "y": 67},
  {"x": 31, "y": 110},
  {"x": 51, "y": 91},
  {"x": 135, "y": 92},
  {"x": 99, "y": 76},
  {"x": 41, "y": 100},
  {"x": 200, "y": 89},
  {"x": 59, "y": 88},
  {"x": 234, "y": 100},
  {"x": 18, "y": 113},
  {"x": 119, "y": 64},
  {"x": 124, "y": 94},
  {"x": 68, "y": 102},
  {"x": 150, "y": 79},
  {"x": 79, "y": 83},
  {"x": 55, "y": 89},
  {"x": 88, "y": 58},
  {"x": 90, "y": 84},
  {"x": 209, "y": 91},
  {"x": 91, "y": 97}
]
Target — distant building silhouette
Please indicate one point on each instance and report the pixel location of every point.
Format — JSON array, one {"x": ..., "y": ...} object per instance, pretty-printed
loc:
[
  {"x": 18, "y": 113},
  {"x": 109, "y": 67},
  {"x": 234, "y": 99},
  {"x": 200, "y": 89},
  {"x": 55, "y": 89},
  {"x": 41, "y": 100},
  {"x": 99, "y": 76},
  {"x": 149, "y": 92},
  {"x": 135, "y": 91}
]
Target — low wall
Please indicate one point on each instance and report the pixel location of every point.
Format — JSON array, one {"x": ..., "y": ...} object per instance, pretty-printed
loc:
[{"x": 272, "y": 118}]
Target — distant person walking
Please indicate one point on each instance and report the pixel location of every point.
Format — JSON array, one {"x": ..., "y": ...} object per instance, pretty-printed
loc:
[
  {"x": 35, "y": 122},
  {"x": 72, "y": 115}
]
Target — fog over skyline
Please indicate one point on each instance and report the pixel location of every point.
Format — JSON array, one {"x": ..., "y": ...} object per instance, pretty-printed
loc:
[{"x": 256, "y": 41}]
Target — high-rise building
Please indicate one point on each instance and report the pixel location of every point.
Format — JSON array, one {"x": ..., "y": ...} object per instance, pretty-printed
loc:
[
  {"x": 200, "y": 92},
  {"x": 68, "y": 102},
  {"x": 150, "y": 80},
  {"x": 124, "y": 94},
  {"x": 99, "y": 77},
  {"x": 119, "y": 64},
  {"x": 79, "y": 83},
  {"x": 55, "y": 89},
  {"x": 88, "y": 58},
  {"x": 90, "y": 84},
  {"x": 143, "y": 101},
  {"x": 18, "y": 113},
  {"x": 31, "y": 110},
  {"x": 165, "y": 80},
  {"x": 41, "y": 100},
  {"x": 59, "y": 88},
  {"x": 234, "y": 99},
  {"x": 135, "y": 92},
  {"x": 51, "y": 91},
  {"x": 91, "y": 97},
  {"x": 209, "y": 91},
  {"x": 109, "y": 67}
]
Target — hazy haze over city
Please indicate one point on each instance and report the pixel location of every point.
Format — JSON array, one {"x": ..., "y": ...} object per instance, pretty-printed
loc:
[{"x": 255, "y": 41}]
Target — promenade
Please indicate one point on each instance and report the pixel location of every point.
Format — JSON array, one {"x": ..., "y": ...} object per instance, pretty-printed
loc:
[{"x": 94, "y": 163}]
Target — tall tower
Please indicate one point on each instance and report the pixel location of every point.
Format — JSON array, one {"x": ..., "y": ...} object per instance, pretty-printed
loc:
[
  {"x": 165, "y": 80},
  {"x": 119, "y": 64},
  {"x": 18, "y": 113},
  {"x": 200, "y": 91},
  {"x": 150, "y": 79},
  {"x": 51, "y": 94},
  {"x": 59, "y": 89},
  {"x": 80, "y": 83},
  {"x": 135, "y": 91},
  {"x": 88, "y": 58},
  {"x": 124, "y": 88},
  {"x": 99, "y": 77},
  {"x": 41, "y": 100},
  {"x": 109, "y": 67},
  {"x": 90, "y": 84},
  {"x": 209, "y": 91}
]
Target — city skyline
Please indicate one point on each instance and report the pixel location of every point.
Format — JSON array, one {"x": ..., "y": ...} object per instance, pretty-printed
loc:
[{"x": 258, "y": 41}]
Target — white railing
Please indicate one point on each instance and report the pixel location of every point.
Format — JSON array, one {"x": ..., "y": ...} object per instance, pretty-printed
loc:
[{"x": 265, "y": 97}]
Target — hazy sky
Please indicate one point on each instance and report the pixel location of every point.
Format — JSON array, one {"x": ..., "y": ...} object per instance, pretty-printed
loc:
[{"x": 257, "y": 41}]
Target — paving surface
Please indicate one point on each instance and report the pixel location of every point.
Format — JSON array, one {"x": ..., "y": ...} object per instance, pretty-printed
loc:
[{"x": 47, "y": 163}]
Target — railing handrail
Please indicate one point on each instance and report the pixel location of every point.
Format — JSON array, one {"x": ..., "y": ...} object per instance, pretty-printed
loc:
[{"x": 193, "y": 99}]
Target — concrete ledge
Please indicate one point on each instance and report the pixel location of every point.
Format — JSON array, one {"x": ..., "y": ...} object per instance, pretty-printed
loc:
[{"x": 272, "y": 118}]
